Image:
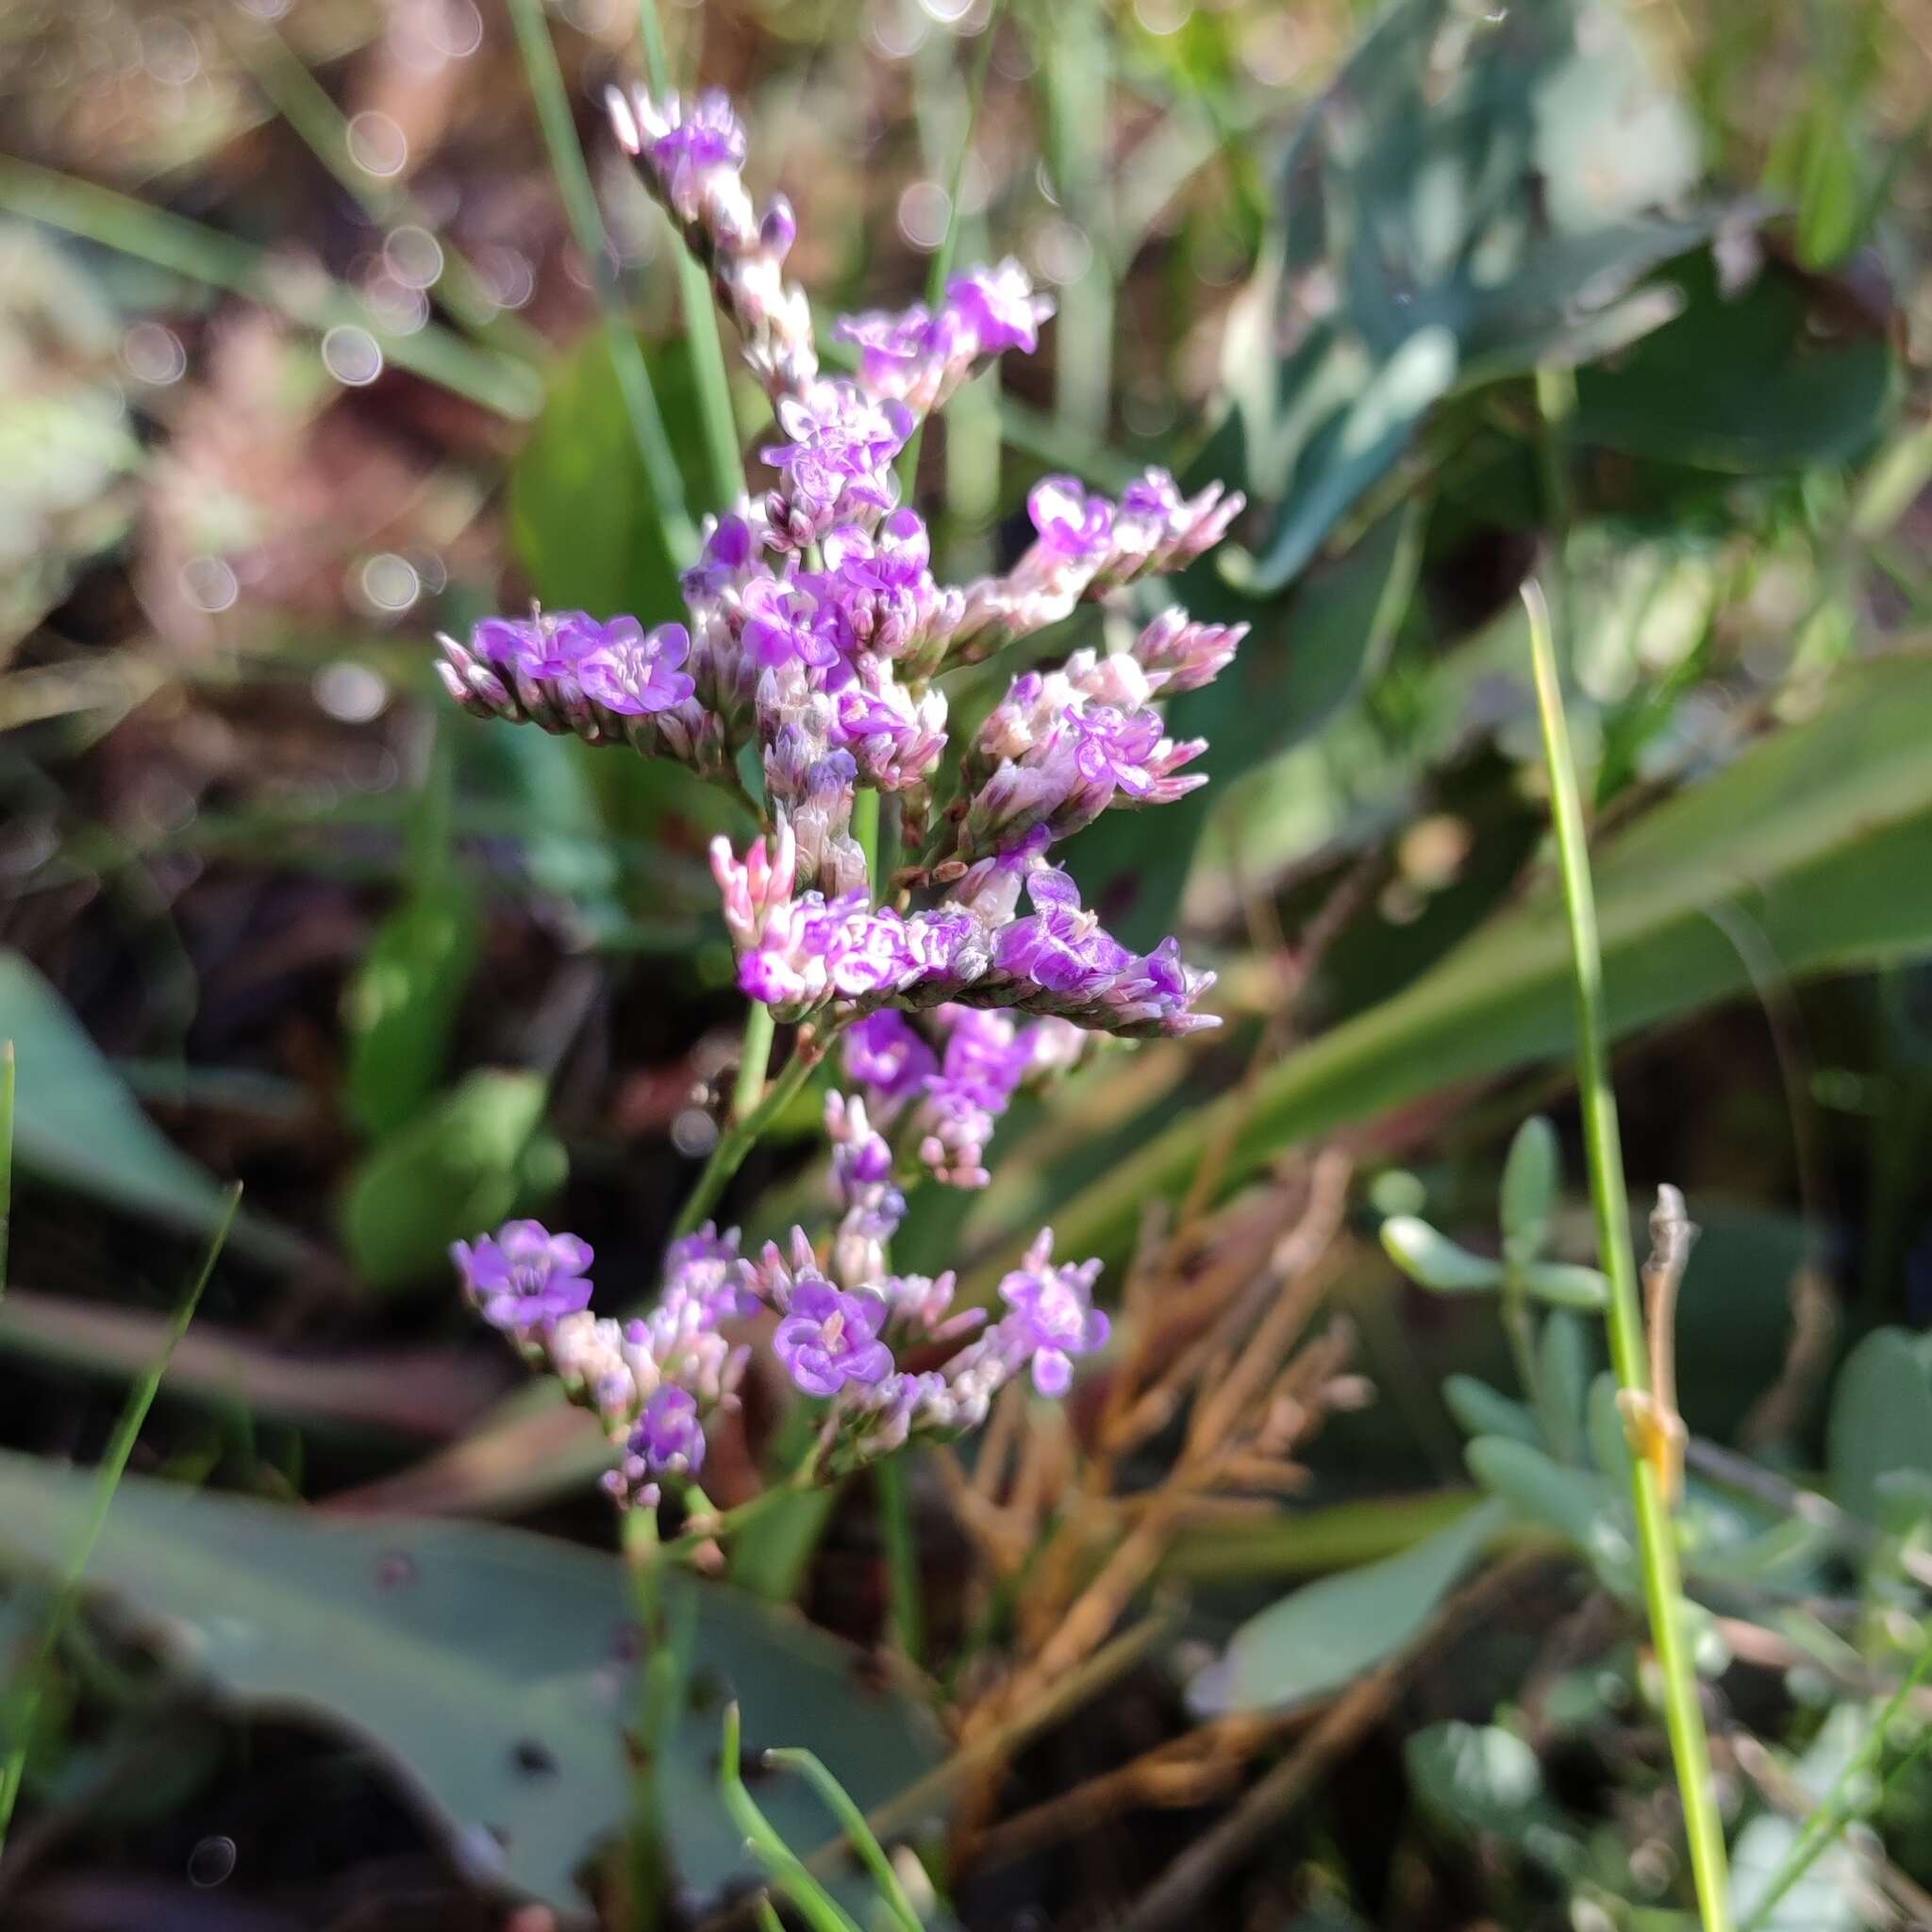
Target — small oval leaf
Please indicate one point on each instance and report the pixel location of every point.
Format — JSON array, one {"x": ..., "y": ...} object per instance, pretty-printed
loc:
[{"x": 1433, "y": 1261}]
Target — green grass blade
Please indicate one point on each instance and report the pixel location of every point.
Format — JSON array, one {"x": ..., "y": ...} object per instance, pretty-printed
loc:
[
  {"x": 587, "y": 224},
  {"x": 490, "y": 379},
  {"x": 839, "y": 1802},
  {"x": 902, "y": 1555},
  {"x": 8, "y": 1070},
  {"x": 1656, "y": 1544},
  {"x": 815, "y": 1905},
  {"x": 305, "y": 104},
  {"x": 726, "y": 457},
  {"x": 114, "y": 1467},
  {"x": 942, "y": 256}
]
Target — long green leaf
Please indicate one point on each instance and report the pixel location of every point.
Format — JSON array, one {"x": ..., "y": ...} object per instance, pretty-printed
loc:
[{"x": 1818, "y": 833}]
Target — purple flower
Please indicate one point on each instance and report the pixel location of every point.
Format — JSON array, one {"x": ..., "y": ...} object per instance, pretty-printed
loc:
[
  {"x": 1182, "y": 654},
  {"x": 1072, "y": 524},
  {"x": 784, "y": 624},
  {"x": 708, "y": 1267},
  {"x": 523, "y": 1275},
  {"x": 885, "y": 1055},
  {"x": 724, "y": 560},
  {"x": 830, "y": 1337},
  {"x": 999, "y": 308},
  {"x": 836, "y": 466},
  {"x": 1053, "y": 1315},
  {"x": 634, "y": 671},
  {"x": 669, "y": 1436}
]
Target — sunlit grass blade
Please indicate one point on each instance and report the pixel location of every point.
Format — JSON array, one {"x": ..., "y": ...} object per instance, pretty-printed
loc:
[
  {"x": 839, "y": 1802},
  {"x": 299, "y": 290},
  {"x": 949, "y": 242},
  {"x": 1655, "y": 1539},
  {"x": 701, "y": 328},
  {"x": 9, "y": 1070},
  {"x": 305, "y": 104},
  {"x": 587, "y": 224},
  {"x": 814, "y": 1903},
  {"x": 113, "y": 1468},
  {"x": 902, "y": 1555}
]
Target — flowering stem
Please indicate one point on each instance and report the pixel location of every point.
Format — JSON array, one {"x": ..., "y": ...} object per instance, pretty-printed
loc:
[
  {"x": 754, "y": 1058},
  {"x": 740, "y": 1136},
  {"x": 942, "y": 256},
  {"x": 902, "y": 1555},
  {"x": 587, "y": 226},
  {"x": 1656, "y": 1538},
  {"x": 700, "y": 312}
]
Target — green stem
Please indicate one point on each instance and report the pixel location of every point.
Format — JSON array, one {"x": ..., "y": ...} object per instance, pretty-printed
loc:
[
  {"x": 813, "y": 1903},
  {"x": 865, "y": 830},
  {"x": 942, "y": 256},
  {"x": 738, "y": 1137},
  {"x": 7, "y": 1070},
  {"x": 107, "y": 1480},
  {"x": 859, "y": 1833},
  {"x": 493, "y": 380},
  {"x": 1075, "y": 60},
  {"x": 587, "y": 226},
  {"x": 754, "y": 1060},
  {"x": 1656, "y": 1544},
  {"x": 1520, "y": 1325},
  {"x": 722, "y": 449},
  {"x": 1838, "y": 1806},
  {"x": 907, "y": 1608}
]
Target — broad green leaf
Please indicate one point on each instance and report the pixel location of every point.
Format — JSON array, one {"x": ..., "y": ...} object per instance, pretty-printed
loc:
[
  {"x": 1482, "y": 1778},
  {"x": 1477, "y": 194},
  {"x": 1764, "y": 382},
  {"x": 77, "y": 1125},
  {"x": 494, "y": 1671},
  {"x": 476, "y": 1158},
  {"x": 1818, "y": 834},
  {"x": 1308, "y": 656},
  {"x": 1329, "y": 1632},
  {"x": 581, "y": 517},
  {"x": 401, "y": 1008},
  {"x": 1433, "y": 1261},
  {"x": 1881, "y": 1421}
]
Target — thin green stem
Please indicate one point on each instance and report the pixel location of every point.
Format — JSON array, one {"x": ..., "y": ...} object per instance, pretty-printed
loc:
[
  {"x": 1656, "y": 1544},
  {"x": 650, "y": 1858},
  {"x": 1837, "y": 1807},
  {"x": 487, "y": 378},
  {"x": 587, "y": 224},
  {"x": 814, "y": 1903},
  {"x": 9, "y": 1069},
  {"x": 904, "y": 1599},
  {"x": 754, "y": 1060},
  {"x": 942, "y": 256},
  {"x": 305, "y": 104},
  {"x": 107, "y": 1479},
  {"x": 1520, "y": 1325},
  {"x": 1075, "y": 59},
  {"x": 839, "y": 1801},
  {"x": 738, "y": 1139},
  {"x": 865, "y": 832},
  {"x": 722, "y": 448}
]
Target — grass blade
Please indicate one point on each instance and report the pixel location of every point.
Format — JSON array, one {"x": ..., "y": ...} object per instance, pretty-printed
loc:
[
  {"x": 1657, "y": 1544},
  {"x": 815, "y": 1905},
  {"x": 701, "y": 329},
  {"x": 587, "y": 224},
  {"x": 114, "y": 1467},
  {"x": 297, "y": 289},
  {"x": 8, "y": 1070},
  {"x": 839, "y": 1802}
]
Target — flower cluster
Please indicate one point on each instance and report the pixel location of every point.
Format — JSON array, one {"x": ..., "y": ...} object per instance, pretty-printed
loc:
[
  {"x": 839, "y": 1326},
  {"x": 810, "y": 644}
]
